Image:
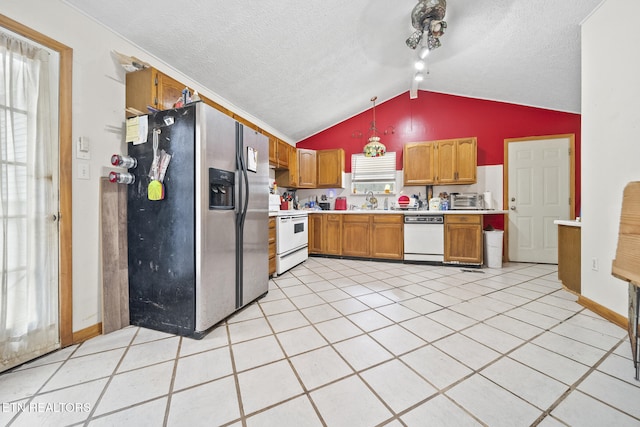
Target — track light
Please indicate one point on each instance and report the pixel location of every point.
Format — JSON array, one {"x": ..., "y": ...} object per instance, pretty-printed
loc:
[
  {"x": 419, "y": 77},
  {"x": 424, "y": 51},
  {"x": 419, "y": 64}
]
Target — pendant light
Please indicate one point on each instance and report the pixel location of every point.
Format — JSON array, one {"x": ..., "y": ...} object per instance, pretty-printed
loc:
[{"x": 374, "y": 147}]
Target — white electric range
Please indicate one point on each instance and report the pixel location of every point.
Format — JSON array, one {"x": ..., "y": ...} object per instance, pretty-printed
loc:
[{"x": 292, "y": 239}]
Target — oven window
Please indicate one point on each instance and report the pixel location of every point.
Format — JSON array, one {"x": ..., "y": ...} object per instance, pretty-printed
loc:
[{"x": 298, "y": 228}]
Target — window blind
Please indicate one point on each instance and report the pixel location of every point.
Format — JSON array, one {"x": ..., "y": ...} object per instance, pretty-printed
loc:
[{"x": 373, "y": 168}]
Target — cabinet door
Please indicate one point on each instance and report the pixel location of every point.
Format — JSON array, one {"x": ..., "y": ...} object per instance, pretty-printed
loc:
[
  {"x": 446, "y": 162},
  {"x": 293, "y": 166},
  {"x": 282, "y": 153},
  {"x": 169, "y": 91},
  {"x": 355, "y": 235},
  {"x": 463, "y": 239},
  {"x": 386, "y": 236},
  {"x": 333, "y": 234},
  {"x": 306, "y": 168},
  {"x": 315, "y": 233},
  {"x": 418, "y": 159},
  {"x": 466, "y": 161},
  {"x": 273, "y": 152},
  {"x": 140, "y": 90},
  {"x": 330, "y": 165},
  {"x": 272, "y": 246}
]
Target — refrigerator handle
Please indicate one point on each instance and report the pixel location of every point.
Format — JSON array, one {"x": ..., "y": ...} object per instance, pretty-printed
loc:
[{"x": 236, "y": 191}]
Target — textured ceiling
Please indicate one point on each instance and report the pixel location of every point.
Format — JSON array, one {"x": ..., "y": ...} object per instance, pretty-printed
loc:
[{"x": 303, "y": 66}]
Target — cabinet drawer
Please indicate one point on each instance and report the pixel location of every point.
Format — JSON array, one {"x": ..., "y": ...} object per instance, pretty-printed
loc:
[
  {"x": 355, "y": 218},
  {"x": 463, "y": 219},
  {"x": 388, "y": 219}
]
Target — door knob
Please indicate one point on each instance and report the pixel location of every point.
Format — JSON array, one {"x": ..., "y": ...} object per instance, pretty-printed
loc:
[
  {"x": 513, "y": 208},
  {"x": 513, "y": 199}
]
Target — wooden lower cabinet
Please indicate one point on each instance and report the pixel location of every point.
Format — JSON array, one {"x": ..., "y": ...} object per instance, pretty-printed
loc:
[
  {"x": 272, "y": 246},
  {"x": 386, "y": 236},
  {"x": 463, "y": 239},
  {"x": 569, "y": 257},
  {"x": 356, "y": 235},
  {"x": 356, "y": 231},
  {"x": 315, "y": 233},
  {"x": 332, "y": 234}
]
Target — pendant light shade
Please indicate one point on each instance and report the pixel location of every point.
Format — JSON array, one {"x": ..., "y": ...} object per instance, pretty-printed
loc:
[{"x": 374, "y": 147}]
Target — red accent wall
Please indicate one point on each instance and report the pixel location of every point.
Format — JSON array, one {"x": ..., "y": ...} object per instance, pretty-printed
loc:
[{"x": 433, "y": 116}]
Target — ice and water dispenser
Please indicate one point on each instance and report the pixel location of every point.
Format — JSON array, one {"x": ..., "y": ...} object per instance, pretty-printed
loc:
[{"x": 221, "y": 189}]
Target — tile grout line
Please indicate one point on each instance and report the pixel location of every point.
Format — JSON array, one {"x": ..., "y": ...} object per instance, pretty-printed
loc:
[
  {"x": 113, "y": 374},
  {"x": 172, "y": 383}
]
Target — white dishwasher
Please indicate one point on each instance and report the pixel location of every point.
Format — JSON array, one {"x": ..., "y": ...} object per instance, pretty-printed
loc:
[{"x": 424, "y": 238}]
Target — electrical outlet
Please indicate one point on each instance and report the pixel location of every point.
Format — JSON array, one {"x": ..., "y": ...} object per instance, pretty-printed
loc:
[{"x": 594, "y": 264}]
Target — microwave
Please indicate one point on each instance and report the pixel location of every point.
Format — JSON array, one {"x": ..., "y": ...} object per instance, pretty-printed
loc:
[{"x": 466, "y": 201}]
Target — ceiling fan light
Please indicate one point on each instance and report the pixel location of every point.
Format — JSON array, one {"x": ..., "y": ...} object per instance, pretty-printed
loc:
[
  {"x": 424, "y": 51},
  {"x": 418, "y": 77},
  {"x": 419, "y": 65}
]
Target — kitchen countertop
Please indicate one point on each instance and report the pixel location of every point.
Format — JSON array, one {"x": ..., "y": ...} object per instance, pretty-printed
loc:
[
  {"x": 403, "y": 212},
  {"x": 570, "y": 223}
]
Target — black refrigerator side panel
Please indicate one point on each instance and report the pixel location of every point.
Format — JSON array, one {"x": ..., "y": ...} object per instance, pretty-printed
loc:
[{"x": 161, "y": 234}]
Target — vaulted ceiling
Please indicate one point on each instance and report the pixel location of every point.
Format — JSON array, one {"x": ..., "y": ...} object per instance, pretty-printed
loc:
[{"x": 303, "y": 66}]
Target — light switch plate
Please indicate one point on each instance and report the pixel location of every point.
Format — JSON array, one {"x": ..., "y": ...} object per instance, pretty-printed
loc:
[
  {"x": 83, "y": 171},
  {"x": 83, "y": 148}
]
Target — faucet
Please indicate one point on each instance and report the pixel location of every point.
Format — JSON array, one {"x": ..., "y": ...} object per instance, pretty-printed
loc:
[{"x": 372, "y": 202}]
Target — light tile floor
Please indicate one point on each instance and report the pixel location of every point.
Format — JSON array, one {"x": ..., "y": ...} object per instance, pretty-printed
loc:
[{"x": 353, "y": 343}]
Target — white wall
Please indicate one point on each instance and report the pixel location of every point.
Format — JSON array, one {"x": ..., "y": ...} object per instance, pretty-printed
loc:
[
  {"x": 98, "y": 114},
  {"x": 610, "y": 140}
]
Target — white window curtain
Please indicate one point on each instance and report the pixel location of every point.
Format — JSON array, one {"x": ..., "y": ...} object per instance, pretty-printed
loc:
[{"x": 28, "y": 200}]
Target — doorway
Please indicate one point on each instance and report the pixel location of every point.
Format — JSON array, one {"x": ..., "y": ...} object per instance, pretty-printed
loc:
[
  {"x": 539, "y": 189},
  {"x": 20, "y": 344}
]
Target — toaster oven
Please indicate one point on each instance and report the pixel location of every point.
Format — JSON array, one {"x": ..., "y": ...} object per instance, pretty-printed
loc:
[{"x": 467, "y": 201}]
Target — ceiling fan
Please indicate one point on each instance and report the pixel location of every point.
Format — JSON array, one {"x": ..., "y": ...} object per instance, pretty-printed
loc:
[{"x": 427, "y": 17}]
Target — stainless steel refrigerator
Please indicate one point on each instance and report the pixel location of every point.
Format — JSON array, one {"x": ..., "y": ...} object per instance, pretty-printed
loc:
[{"x": 199, "y": 253}]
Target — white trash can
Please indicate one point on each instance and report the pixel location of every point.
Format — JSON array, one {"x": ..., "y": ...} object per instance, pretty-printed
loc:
[{"x": 493, "y": 248}]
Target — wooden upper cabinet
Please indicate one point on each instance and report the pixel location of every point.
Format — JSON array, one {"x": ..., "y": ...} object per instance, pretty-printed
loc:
[
  {"x": 293, "y": 166},
  {"x": 446, "y": 162},
  {"x": 273, "y": 151},
  {"x": 330, "y": 167},
  {"x": 169, "y": 91},
  {"x": 306, "y": 168},
  {"x": 149, "y": 87},
  {"x": 466, "y": 161},
  {"x": 283, "y": 150},
  {"x": 457, "y": 161},
  {"x": 419, "y": 163},
  {"x": 451, "y": 161}
]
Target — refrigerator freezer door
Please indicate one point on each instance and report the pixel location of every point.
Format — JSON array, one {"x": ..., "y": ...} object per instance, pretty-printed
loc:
[
  {"x": 162, "y": 256},
  {"x": 255, "y": 258},
  {"x": 215, "y": 230}
]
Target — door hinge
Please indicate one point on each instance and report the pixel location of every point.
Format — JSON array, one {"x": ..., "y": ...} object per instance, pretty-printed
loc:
[{"x": 155, "y": 81}]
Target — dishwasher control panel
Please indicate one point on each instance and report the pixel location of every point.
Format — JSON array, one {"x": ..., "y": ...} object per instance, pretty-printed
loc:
[{"x": 424, "y": 219}]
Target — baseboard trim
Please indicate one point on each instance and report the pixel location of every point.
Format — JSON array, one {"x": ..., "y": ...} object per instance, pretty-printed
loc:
[
  {"x": 604, "y": 312},
  {"x": 87, "y": 333}
]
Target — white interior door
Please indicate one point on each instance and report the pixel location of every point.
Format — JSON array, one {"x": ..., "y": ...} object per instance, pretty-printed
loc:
[{"x": 539, "y": 193}]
